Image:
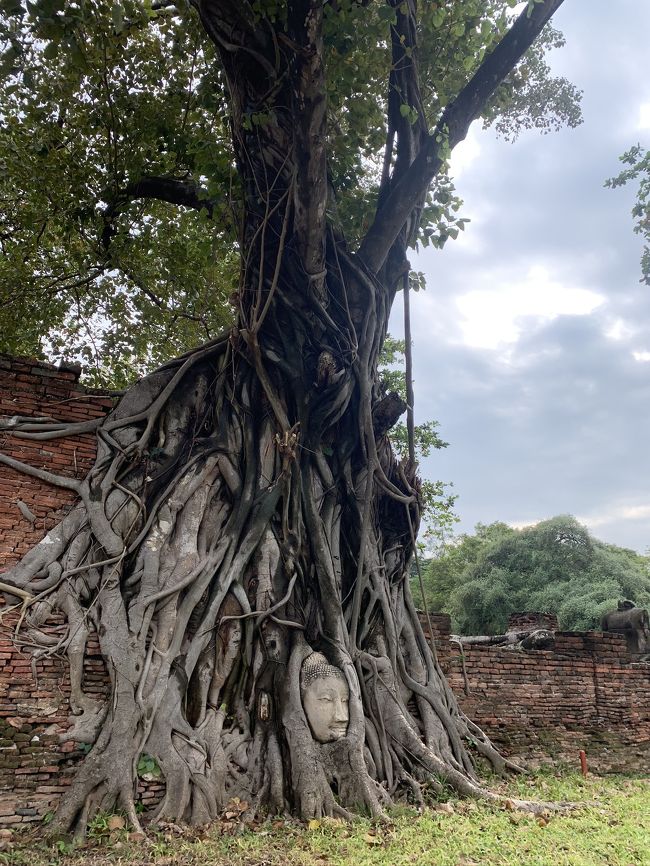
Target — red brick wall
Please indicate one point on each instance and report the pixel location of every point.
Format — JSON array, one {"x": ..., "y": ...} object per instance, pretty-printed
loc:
[
  {"x": 530, "y": 620},
  {"x": 33, "y": 388},
  {"x": 34, "y": 767},
  {"x": 586, "y": 693}
]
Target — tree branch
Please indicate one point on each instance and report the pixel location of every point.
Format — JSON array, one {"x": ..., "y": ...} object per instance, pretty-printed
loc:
[
  {"x": 404, "y": 89},
  {"x": 47, "y": 429},
  {"x": 450, "y": 130},
  {"x": 187, "y": 193},
  {"x": 407, "y": 134},
  {"x": 231, "y": 14}
]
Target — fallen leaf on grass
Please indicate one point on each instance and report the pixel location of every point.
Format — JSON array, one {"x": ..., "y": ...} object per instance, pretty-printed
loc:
[
  {"x": 236, "y": 807},
  {"x": 314, "y": 824},
  {"x": 330, "y": 821},
  {"x": 372, "y": 839},
  {"x": 116, "y": 822}
]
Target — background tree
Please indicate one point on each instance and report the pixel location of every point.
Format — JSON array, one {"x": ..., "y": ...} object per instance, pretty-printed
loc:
[
  {"x": 637, "y": 162},
  {"x": 246, "y": 507},
  {"x": 555, "y": 566},
  {"x": 444, "y": 571}
]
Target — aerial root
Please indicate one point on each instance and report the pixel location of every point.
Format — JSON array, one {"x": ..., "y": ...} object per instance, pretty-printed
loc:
[{"x": 499, "y": 764}]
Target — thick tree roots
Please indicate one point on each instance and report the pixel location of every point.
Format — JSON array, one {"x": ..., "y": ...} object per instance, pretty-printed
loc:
[{"x": 214, "y": 547}]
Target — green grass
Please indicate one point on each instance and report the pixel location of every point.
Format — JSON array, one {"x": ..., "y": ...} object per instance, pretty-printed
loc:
[{"x": 610, "y": 827}]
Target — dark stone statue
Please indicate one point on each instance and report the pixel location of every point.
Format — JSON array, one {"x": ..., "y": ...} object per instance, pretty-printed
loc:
[
  {"x": 631, "y": 621},
  {"x": 540, "y": 639}
]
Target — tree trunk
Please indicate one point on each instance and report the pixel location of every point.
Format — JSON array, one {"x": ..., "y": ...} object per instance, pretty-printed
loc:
[
  {"x": 244, "y": 510},
  {"x": 241, "y": 514}
]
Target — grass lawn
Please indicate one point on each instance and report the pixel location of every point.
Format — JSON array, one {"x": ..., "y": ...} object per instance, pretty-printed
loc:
[{"x": 611, "y": 825}]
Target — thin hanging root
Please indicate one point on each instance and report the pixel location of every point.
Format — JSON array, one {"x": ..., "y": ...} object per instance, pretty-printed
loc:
[
  {"x": 485, "y": 748},
  {"x": 14, "y": 590}
]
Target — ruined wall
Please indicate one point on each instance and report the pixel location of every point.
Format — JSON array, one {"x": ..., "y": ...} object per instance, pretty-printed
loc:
[
  {"x": 586, "y": 693},
  {"x": 529, "y": 620},
  {"x": 34, "y": 766},
  {"x": 30, "y": 507},
  {"x": 34, "y": 709}
]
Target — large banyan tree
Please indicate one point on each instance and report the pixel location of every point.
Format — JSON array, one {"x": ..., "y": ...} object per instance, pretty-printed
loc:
[{"x": 246, "y": 530}]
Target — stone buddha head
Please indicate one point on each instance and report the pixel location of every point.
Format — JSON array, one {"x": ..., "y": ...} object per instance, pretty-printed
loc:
[{"x": 325, "y": 697}]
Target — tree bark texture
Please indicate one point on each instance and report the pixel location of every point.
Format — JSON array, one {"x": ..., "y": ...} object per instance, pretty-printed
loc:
[{"x": 246, "y": 506}]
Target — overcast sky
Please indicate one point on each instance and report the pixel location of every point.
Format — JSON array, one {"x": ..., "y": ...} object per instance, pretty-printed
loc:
[{"x": 532, "y": 341}]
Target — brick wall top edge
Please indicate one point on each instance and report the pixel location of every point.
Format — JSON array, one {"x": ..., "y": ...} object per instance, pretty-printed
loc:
[
  {"x": 36, "y": 364},
  {"x": 529, "y": 620},
  {"x": 48, "y": 385}
]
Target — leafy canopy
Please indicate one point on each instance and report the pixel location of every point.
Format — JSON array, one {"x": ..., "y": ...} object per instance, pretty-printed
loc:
[
  {"x": 120, "y": 198},
  {"x": 97, "y": 97},
  {"x": 555, "y": 566},
  {"x": 637, "y": 162}
]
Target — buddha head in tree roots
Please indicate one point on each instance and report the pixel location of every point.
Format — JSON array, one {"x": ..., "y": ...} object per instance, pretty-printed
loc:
[{"x": 325, "y": 698}]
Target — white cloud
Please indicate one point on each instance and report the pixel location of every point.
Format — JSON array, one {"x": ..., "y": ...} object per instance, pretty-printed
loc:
[
  {"x": 618, "y": 330},
  {"x": 495, "y": 317},
  {"x": 524, "y": 524},
  {"x": 644, "y": 116},
  {"x": 641, "y": 356},
  {"x": 616, "y": 513},
  {"x": 465, "y": 153}
]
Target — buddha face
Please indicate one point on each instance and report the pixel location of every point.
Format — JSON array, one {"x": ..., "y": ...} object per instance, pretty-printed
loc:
[
  {"x": 326, "y": 706},
  {"x": 325, "y": 699}
]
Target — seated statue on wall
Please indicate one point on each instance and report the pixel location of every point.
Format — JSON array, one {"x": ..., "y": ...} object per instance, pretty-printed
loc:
[
  {"x": 325, "y": 697},
  {"x": 633, "y": 622}
]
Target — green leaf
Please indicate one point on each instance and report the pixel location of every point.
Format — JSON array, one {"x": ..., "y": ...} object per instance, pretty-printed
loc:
[
  {"x": 51, "y": 51},
  {"x": 12, "y": 7},
  {"x": 117, "y": 17}
]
